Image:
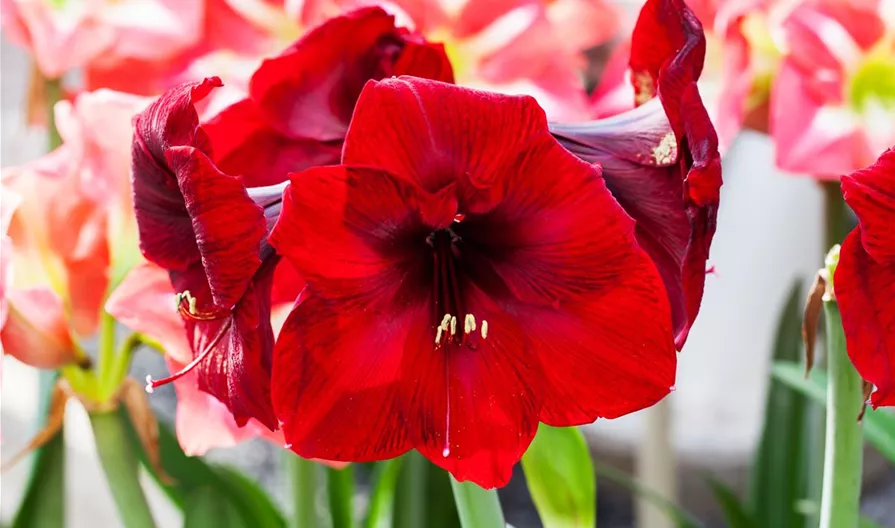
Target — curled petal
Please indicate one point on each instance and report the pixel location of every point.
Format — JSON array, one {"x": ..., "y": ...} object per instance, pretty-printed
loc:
[{"x": 667, "y": 54}]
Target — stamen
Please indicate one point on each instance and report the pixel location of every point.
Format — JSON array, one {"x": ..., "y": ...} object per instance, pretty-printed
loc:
[
  {"x": 484, "y": 329},
  {"x": 469, "y": 324},
  {"x": 190, "y": 311},
  {"x": 438, "y": 332},
  {"x": 154, "y": 384},
  {"x": 453, "y": 326}
]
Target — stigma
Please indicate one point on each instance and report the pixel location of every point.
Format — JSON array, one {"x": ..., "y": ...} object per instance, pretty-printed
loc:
[{"x": 447, "y": 329}]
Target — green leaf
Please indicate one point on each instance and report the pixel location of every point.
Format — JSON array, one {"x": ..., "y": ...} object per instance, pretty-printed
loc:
[
  {"x": 205, "y": 509},
  {"x": 879, "y": 425},
  {"x": 382, "y": 496},
  {"x": 777, "y": 479},
  {"x": 247, "y": 504},
  {"x": 681, "y": 517},
  {"x": 561, "y": 479},
  {"x": 340, "y": 491},
  {"x": 735, "y": 512},
  {"x": 44, "y": 503},
  {"x": 255, "y": 507},
  {"x": 478, "y": 507}
]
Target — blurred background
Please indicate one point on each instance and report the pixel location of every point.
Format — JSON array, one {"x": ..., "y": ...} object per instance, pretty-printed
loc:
[{"x": 768, "y": 240}]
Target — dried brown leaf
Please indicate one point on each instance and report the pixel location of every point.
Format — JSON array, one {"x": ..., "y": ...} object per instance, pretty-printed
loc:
[{"x": 813, "y": 305}]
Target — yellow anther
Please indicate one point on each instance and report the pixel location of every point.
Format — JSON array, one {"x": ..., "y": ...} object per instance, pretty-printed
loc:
[
  {"x": 438, "y": 334},
  {"x": 484, "y": 329},
  {"x": 469, "y": 323},
  {"x": 453, "y": 325}
]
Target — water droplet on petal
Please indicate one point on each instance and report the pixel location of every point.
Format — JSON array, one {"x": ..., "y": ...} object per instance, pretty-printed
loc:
[{"x": 672, "y": 388}]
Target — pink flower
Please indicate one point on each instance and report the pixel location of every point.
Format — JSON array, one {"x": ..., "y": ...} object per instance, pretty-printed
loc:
[
  {"x": 833, "y": 101},
  {"x": 66, "y": 35},
  {"x": 32, "y": 326},
  {"x": 74, "y": 230}
]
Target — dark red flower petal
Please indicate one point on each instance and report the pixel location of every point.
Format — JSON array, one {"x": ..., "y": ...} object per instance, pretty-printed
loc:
[
  {"x": 310, "y": 89},
  {"x": 871, "y": 194},
  {"x": 238, "y": 369},
  {"x": 227, "y": 224},
  {"x": 864, "y": 289},
  {"x": 166, "y": 231},
  {"x": 427, "y": 146},
  {"x": 335, "y": 381},
  {"x": 608, "y": 354},
  {"x": 667, "y": 54}
]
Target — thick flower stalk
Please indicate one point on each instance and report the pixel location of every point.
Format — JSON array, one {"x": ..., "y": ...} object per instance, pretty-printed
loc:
[
  {"x": 467, "y": 278},
  {"x": 660, "y": 160}
]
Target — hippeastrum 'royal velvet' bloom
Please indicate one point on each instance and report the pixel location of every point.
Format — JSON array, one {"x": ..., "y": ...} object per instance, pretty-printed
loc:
[
  {"x": 467, "y": 279},
  {"x": 660, "y": 160},
  {"x": 202, "y": 226},
  {"x": 864, "y": 283},
  {"x": 300, "y": 102},
  {"x": 833, "y": 100},
  {"x": 63, "y": 35}
]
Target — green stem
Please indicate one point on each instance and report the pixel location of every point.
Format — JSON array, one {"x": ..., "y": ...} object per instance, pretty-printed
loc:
[
  {"x": 340, "y": 489},
  {"x": 835, "y": 224},
  {"x": 121, "y": 465},
  {"x": 410, "y": 503},
  {"x": 304, "y": 488},
  {"x": 478, "y": 508},
  {"x": 107, "y": 356},
  {"x": 840, "y": 502},
  {"x": 53, "y": 93}
]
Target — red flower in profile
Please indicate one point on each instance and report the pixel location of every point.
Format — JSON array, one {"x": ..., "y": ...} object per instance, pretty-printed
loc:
[
  {"x": 208, "y": 228},
  {"x": 660, "y": 160},
  {"x": 864, "y": 283},
  {"x": 201, "y": 225},
  {"x": 467, "y": 279},
  {"x": 300, "y": 102}
]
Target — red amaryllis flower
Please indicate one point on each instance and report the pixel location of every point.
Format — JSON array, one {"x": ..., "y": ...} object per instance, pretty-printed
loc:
[
  {"x": 864, "y": 283},
  {"x": 203, "y": 227},
  {"x": 300, "y": 102},
  {"x": 208, "y": 228},
  {"x": 661, "y": 159},
  {"x": 467, "y": 278}
]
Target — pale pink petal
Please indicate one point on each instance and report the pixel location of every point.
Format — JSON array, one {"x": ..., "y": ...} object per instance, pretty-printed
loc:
[
  {"x": 144, "y": 302},
  {"x": 584, "y": 23}
]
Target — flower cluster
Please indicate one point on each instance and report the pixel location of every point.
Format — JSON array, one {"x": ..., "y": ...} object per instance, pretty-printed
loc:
[{"x": 450, "y": 273}]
